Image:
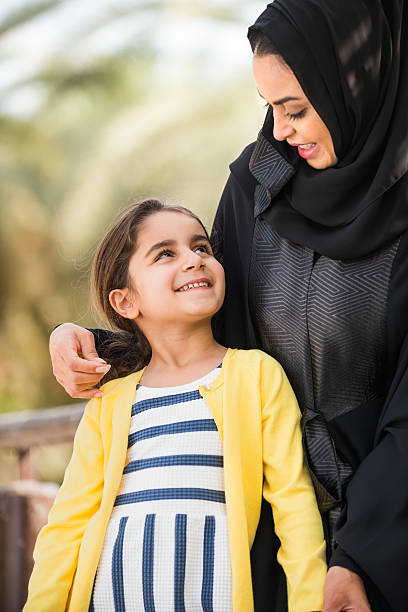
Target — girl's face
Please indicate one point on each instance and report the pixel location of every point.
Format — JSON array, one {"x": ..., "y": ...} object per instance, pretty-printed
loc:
[
  {"x": 295, "y": 119},
  {"x": 174, "y": 276}
]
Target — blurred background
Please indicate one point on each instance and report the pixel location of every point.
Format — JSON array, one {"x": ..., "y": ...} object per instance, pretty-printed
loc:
[{"x": 103, "y": 103}]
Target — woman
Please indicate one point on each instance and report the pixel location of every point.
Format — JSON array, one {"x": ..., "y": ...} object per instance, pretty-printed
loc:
[{"x": 312, "y": 229}]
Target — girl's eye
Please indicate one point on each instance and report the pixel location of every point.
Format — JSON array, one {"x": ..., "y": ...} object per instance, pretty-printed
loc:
[
  {"x": 164, "y": 254},
  {"x": 298, "y": 115},
  {"x": 202, "y": 247}
]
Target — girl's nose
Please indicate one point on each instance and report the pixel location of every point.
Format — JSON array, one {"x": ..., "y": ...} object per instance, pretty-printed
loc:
[
  {"x": 282, "y": 128},
  {"x": 193, "y": 260}
]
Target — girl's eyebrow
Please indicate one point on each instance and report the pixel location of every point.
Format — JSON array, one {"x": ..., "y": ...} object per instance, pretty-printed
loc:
[
  {"x": 159, "y": 245},
  {"x": 198, "y": 237},
  {"x": 168, "y": 243}
]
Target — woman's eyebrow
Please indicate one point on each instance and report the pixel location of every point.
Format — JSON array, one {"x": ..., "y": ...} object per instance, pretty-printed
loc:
[{"x": 281, "y": 100}]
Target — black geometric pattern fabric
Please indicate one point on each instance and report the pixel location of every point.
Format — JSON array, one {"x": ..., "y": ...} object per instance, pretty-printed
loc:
[
  {"x": 323, "y": 319},
  {"x": 315, "y": 316},
  {"x": 347, "y": 302},
  {"x": 270, "y": 169}
]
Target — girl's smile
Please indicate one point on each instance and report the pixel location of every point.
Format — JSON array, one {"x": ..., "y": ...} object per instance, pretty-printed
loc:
[
  {"x": 173, "y": 260},
  {"x": 198, "y": 283}
]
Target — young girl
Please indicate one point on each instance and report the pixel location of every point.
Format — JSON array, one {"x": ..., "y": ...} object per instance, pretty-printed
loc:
[{"x": 161, "y": 499}]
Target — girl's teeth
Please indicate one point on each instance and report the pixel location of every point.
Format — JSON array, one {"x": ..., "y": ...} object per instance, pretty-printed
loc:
[
  {"x": 307, "y": 146},
  {"x": 193, "y": 285}
]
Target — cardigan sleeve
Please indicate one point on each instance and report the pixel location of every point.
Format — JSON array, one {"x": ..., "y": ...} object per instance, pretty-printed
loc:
[
  {"x": 289, "y": 490},
  {"x": 57, "y": 547}
]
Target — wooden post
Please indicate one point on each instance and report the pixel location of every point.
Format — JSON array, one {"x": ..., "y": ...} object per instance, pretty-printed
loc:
[
  {"x": 25, "y": 464},
  {"x": 24, "y": 507},
  {"x": 12, "y": 571}
]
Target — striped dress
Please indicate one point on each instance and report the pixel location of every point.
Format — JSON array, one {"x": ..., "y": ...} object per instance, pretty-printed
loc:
[{"x": 166, "y": 546}]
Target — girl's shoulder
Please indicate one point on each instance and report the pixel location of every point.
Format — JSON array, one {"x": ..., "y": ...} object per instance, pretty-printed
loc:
[
  {"x": 254, "y": 359},
  {"x": 117, "y": 384},
  {"x": 249, "y": 370}
]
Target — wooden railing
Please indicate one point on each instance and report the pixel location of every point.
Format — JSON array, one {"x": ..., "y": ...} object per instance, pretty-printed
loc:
[
  {"x": 24, "y": 505},
  {"x": 22, "y": 431}
]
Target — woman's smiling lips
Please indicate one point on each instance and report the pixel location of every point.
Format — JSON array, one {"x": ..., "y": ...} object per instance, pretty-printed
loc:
[
  {"x": 305, "y": 150},
  {"x": 197, "y": 283}
]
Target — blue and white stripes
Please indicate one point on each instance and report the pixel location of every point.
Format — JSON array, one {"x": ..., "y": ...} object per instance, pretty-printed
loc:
[
  {"x": 180, "y": 539},
  {"x": 164, "y": 400},
  {"x": 148, "y": 563},
  {"x": 208, "y": 564},
  {"x": 161, "y": 563},
  {"x": 117, "y": 567},
  {"x": 143, "y": 464},
  {"x": 166, "y": 547},
  {"x": 171, "y": 429}
]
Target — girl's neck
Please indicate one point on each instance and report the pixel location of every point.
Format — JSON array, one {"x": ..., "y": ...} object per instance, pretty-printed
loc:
[{"x": 181, "y": 356}]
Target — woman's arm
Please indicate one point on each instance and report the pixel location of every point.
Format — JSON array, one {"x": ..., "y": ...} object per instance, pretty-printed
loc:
[
  {"x": 57, "y": 547},
  {"x": 373, "y": 527}
]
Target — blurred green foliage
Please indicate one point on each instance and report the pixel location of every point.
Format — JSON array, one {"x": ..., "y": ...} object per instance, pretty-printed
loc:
[{"x": 107, "y": 132}]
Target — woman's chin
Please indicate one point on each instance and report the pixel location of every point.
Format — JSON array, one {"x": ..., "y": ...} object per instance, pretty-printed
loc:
[{"x": 322, "y": 162}]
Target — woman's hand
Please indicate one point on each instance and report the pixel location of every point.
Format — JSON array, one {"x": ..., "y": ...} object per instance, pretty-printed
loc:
[
  {"x": 344, "y": 592},
  {"x": 75, "y": 362}
]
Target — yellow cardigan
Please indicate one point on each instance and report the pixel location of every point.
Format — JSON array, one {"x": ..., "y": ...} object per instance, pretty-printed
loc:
[{"x": 257, "y": 417}]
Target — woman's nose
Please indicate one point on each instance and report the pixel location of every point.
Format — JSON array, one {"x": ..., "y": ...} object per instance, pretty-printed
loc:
[{"x": 282, "y": 128}]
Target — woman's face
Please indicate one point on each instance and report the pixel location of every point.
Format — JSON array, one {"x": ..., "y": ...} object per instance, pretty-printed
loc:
[{"x": 295, "y": 119}]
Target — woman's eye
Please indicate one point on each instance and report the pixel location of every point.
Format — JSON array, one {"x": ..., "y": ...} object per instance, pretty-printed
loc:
[{"x": 298, "y": 115}]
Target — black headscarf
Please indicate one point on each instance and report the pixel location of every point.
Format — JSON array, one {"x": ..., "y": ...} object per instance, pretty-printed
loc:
[{"x": 351, "y": 59}]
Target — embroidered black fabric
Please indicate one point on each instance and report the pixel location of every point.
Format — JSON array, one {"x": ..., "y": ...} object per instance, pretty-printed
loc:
[{"x": 314, "y": 314}]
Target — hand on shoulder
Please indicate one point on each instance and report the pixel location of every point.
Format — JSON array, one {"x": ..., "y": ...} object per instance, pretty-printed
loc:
[{"x": 75, "y": 362}]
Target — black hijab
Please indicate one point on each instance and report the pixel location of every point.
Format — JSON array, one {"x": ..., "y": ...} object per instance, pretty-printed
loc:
[{"x": 351, "y": 59}]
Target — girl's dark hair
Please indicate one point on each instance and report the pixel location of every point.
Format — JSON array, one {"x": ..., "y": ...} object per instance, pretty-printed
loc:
[
  {"x": 128, "y": 349},
  {"x": 260, "y": 43}
]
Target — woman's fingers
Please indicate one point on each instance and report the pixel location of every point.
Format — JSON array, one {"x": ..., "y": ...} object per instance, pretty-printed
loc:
[
  {"x": 344, "y": 592},
  {"x": 69, "y": 344},
  {"x": 84, "y": 380},
  {"x": 78, "y": 375},
  {"x": 69, "y": 359},
  {"x": 83, "y": 393},
  {"x": 86, "y": 341}
]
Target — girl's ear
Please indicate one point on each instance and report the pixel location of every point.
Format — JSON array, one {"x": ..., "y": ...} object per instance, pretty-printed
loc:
[{"x": 124, "y": 303}]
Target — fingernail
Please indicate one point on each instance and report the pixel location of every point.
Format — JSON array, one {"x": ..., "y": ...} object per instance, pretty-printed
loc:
[
  {"x": 99, "y": 359},
  {"x": 99, "y": 394},
  {"x": 103, "y": 368}
]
